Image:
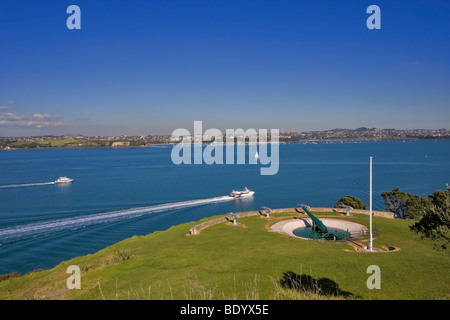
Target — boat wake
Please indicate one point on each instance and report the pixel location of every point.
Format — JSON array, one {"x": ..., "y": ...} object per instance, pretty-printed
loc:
[
  {"x": 25, "y": 185},
  {"x": 55, "y": 225}
]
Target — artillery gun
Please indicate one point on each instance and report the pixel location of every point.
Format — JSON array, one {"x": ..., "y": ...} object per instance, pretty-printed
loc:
[{"x": 320, "y": 231}]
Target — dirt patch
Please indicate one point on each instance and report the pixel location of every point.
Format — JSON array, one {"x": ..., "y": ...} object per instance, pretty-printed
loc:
[
  {"x": 237, "y": 224},
  {"x": 59, "y": 294}
]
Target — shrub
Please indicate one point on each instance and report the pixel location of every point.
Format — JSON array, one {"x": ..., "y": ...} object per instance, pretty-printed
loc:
[
  {"x": 119, "y": 256},
  {"x": 351, "y": 201}
]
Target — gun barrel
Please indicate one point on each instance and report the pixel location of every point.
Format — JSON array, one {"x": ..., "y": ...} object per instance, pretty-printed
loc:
[{"x": 319, "y": 224}]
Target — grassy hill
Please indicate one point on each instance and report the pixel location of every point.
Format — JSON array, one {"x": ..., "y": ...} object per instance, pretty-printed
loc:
[{"x": 247, "y": 261}]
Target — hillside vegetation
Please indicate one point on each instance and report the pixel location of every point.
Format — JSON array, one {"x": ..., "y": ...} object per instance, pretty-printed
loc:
[{"x": 247, "y": 261}]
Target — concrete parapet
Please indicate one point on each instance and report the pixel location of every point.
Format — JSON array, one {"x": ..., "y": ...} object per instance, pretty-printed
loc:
[
  {"x": 384, "y": 214},
  {"x": 196, "y": 229}
]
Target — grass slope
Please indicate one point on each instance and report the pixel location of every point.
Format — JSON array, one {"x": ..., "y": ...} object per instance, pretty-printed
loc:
[{"x": 246, "y": 262}]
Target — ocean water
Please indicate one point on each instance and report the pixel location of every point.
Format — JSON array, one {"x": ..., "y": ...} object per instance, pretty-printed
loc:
[{"x": 118, "y": 193}]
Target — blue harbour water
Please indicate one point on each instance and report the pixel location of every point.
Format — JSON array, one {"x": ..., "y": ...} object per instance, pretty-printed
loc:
[{"x": 118, "y": 193}]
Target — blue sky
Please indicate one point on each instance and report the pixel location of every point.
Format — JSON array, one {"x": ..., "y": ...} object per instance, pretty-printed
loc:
[{"x": 149, "y": 67}]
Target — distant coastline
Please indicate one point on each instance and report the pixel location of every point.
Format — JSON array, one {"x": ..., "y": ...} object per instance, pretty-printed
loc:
[{"x": 335, "y": 135}]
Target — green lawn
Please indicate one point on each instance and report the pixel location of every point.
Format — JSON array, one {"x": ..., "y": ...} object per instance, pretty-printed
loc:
[{"x": 247, "y": 262}]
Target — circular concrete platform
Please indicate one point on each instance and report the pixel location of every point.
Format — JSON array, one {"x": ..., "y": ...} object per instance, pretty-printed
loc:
[{"x": 287, "y": 227}]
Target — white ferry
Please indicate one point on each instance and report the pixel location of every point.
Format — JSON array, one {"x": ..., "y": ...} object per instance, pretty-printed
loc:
[
  {"x": 63, "y": 180},
  {"x": 241, "y": 194}
]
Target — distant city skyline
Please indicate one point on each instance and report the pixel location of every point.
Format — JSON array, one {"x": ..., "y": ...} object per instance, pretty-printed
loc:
[{"x": 150, "y": 67}]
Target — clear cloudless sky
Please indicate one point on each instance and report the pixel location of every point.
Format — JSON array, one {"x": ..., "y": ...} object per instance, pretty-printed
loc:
[{"x": 148, "y": 67}]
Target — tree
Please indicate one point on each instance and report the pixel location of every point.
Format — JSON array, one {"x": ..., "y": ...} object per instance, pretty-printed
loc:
[
  {"x": 439, "y": 198},
  {"x": 405, "y": 205},
  {"x": 351, "y": 201},
  {"x": 435, "y": 221},
  {"x": 395, "y": 201},
  {"x": 415, "y": 206}
]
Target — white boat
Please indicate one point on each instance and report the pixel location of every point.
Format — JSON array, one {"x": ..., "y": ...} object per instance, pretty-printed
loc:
[
  {"x": 241, "y": 194},
  {"x": 63, "y": 180}
]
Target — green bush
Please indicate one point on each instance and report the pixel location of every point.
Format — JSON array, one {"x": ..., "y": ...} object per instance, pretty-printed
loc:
[{"x": 351, "y": 201}]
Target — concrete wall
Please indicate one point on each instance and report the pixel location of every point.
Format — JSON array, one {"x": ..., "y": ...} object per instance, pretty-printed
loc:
[
  {"x": 196, "y": 229},
  {"x": 384, "y": 214}
]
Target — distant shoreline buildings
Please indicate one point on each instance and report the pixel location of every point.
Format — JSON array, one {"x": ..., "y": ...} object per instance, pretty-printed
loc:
[{"x": 80, "y": 141}]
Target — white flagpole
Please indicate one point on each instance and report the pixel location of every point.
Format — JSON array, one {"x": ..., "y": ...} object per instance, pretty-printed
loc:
[{"x": 369, "y": 247}]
